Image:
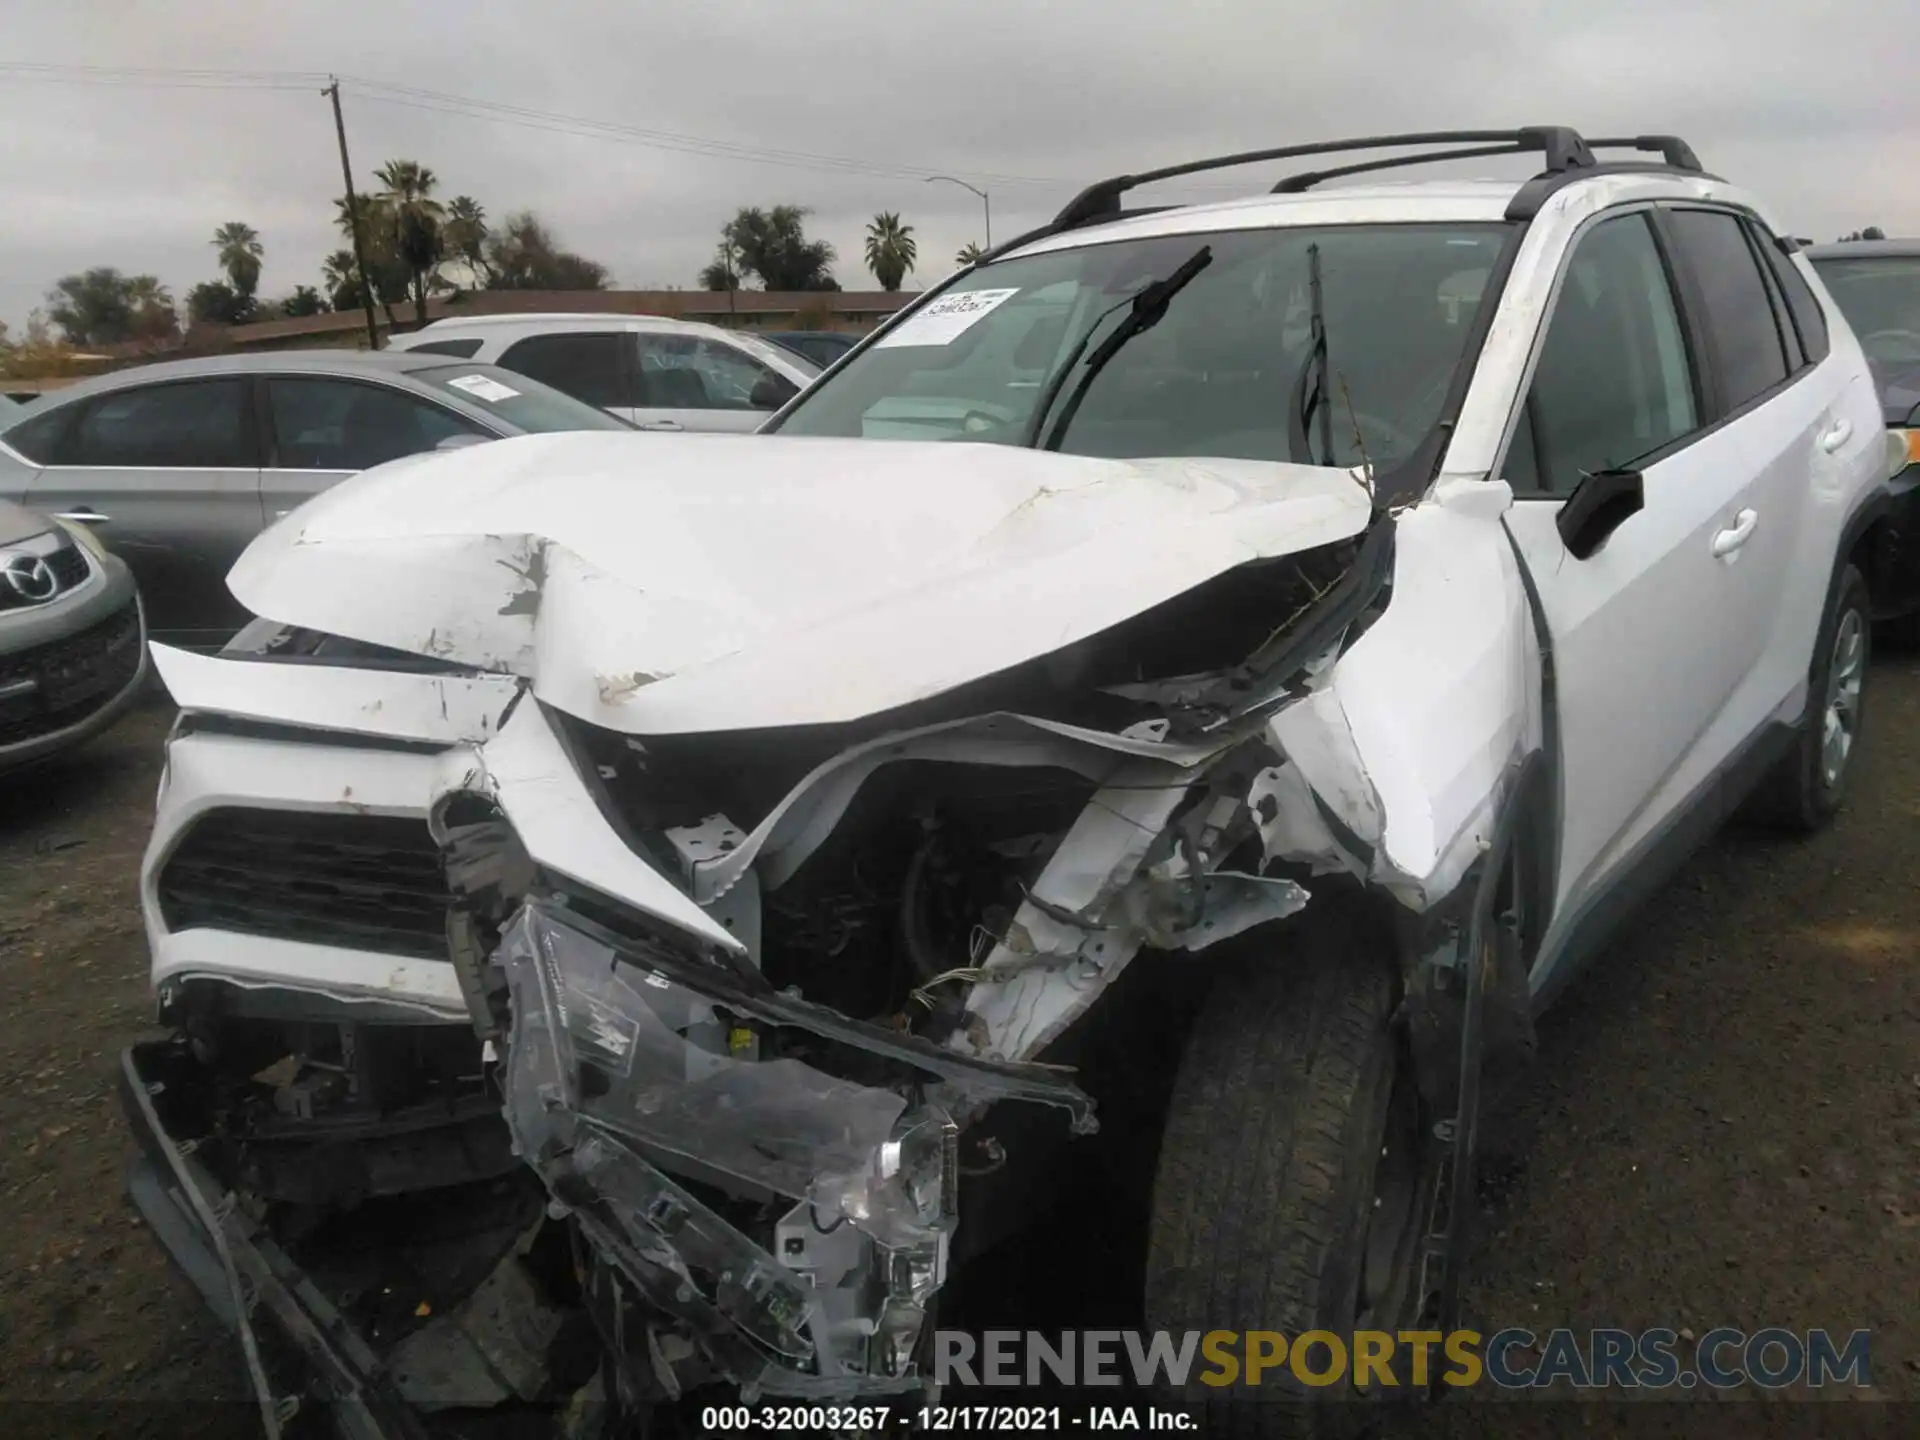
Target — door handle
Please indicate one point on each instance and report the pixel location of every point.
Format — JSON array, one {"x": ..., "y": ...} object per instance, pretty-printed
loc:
[
  {"x": 1836, "y": 435},
  {"x": 1735, "y": 535},
  {"x": 88, "y": 516},
  {"x": 663, "y": 425}
]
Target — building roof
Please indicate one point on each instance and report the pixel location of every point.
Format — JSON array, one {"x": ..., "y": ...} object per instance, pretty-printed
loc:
[{"x": 671, "y": 304}]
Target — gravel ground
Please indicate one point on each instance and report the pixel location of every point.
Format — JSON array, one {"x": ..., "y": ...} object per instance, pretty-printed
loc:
[{"x": 1721, "y": 1127}]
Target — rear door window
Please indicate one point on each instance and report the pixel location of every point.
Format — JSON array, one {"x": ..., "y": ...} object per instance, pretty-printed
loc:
[
  {"x": 591, "y": 367},
  {"x": 184, "y": 424},
  {"x": 1741, "y": 326},
  {"x": 327, "y": 424}
]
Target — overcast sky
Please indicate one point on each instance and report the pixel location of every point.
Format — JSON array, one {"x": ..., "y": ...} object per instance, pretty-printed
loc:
[{"x": 1816, "y": 109}]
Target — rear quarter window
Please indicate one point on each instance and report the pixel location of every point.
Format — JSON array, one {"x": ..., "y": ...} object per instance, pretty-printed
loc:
[
  {"x": 459, "y": 349},
  {"x": 38, "y": 437}
]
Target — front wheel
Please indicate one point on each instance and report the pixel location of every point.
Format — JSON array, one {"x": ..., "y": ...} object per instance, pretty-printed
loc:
[
  {"x": 1804, "y": 789},
  {"x": 1290, "y": 1190}
]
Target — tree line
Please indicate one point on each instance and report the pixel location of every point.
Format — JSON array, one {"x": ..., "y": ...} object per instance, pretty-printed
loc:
[{"x": 416, "y": 246}]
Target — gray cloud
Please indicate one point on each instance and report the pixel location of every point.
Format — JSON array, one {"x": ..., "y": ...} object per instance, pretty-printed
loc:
[{"x": 1811, "y": 108}]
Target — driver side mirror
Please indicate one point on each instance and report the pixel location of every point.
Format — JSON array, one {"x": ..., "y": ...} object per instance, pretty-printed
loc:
[
  {"x": 1602, "y": 502},
  {"x": 771, "y": 393}
]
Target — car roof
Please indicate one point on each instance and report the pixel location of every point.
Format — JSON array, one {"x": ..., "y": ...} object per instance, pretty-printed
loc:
[
  {"x": 561, "y": 320},
  {"x": 372, "y": 365},
  {"x": 1400, "y": 202},
  {"x": 1900, "y": 249}
]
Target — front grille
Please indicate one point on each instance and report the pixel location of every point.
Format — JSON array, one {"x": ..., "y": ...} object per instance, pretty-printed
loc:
[
  {"x": 70, "y": 678},
  {"x": 362, "y": 882}
]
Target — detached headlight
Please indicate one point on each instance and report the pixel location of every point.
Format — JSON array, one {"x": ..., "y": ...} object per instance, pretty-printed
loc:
[{"x": 84, "y": 538}]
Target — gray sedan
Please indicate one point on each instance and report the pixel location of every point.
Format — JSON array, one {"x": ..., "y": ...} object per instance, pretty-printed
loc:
[
  {"x": 176, "y": 467},
  {"x": 72, "y": 649}
]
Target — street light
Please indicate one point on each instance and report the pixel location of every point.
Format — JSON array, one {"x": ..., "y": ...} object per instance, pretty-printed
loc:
[{"x": 985, "y": 204}]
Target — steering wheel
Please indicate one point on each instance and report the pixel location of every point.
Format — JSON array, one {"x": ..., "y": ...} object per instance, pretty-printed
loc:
[{"x": 1893, "y": 341}]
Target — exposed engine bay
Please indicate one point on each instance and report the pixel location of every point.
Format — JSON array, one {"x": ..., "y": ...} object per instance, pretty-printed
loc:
[{"x": 748, "y": 1039}]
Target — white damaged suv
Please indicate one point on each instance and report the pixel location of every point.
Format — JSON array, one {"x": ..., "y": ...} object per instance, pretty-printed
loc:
[{"x": 1219, "y": 670}]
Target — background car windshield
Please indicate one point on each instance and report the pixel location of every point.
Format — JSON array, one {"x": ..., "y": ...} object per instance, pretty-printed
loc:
[
  {"x": 1217, "y": 376},
  {"x": 522, "y": 402},
  {"x": 1881, "y": 300}
]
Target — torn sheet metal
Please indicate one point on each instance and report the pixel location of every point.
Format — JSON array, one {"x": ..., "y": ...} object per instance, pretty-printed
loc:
[
  {"x": 528, "y": 774},
  {"x": 445, "y": 708},
  {"x": 1406, "y": 744},
  {"x": 1063, "y": 947},
  {"x": 803, "y": 820},
  {"x": 730, "y": 579}
]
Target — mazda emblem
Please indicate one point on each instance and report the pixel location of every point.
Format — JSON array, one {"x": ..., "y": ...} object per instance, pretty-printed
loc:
[{"x": 29, "y": 576}]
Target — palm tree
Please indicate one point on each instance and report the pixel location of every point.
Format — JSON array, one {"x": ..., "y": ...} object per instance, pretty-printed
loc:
[
  {"x": 890, "y": 250},
  {"x": 151, "y": 304},
  {"x": 970, "y": 254},
  {"x": 412, "y": 216},
  {"x": 465, "y": 235},
  {"x": 239, "y": 247}
]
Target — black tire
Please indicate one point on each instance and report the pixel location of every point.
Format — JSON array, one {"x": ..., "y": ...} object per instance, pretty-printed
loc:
[
  {"x": 1292, "y": 1083},
  {"x": 1800, "y": 795}
]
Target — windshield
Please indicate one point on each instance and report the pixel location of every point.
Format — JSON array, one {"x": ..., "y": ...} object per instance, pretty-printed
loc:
[
  {"x": 1881, "y": 299},
  {"x": 1217, "y": 374},
  {"x": 522, "y": 402}
]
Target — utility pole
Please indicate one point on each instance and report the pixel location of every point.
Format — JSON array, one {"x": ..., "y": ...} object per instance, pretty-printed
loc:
[{"x": 332, "y": 92}]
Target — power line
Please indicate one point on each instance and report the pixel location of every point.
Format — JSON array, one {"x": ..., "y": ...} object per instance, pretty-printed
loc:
[{"x": 497, "y": 112}]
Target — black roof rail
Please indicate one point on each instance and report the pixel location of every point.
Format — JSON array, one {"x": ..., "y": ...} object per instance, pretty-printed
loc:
[
  {"x": 1559, "y": 144},
  {"x": 1307, "y": 179},
  {"x": 1566, "y": 154},
  {"x": 1673, "y": 150}
]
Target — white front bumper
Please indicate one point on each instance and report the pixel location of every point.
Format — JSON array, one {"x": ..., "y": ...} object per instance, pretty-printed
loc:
[{"x": 207, "y": 772}]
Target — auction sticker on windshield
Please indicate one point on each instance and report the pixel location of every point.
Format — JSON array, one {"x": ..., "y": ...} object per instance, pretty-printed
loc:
[
  {"x": 483, "y": 386},
  {"x": 946, "y": 319}
]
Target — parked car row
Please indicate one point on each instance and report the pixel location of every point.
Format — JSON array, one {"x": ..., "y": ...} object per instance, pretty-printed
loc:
[
  {"x": 1388, "y": 585},
  {"x": 657, "y": 374}
]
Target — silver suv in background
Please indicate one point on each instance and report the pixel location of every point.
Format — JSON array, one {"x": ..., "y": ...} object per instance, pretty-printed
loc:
[
  {"x": 177, "y": 467},
  {"x": 659, "y": 374},
  {"x": 1876, "y": 284}
]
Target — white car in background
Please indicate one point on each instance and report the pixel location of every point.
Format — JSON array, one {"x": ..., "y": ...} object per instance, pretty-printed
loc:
[{"x": 659, "y": 374}]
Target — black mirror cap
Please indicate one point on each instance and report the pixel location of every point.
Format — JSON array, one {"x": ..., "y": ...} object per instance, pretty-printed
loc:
[{"x": 1602, "y": 502}]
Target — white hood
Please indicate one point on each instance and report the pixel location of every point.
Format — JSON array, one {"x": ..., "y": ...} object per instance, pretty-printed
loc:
[{"x": 658, "y": 584}]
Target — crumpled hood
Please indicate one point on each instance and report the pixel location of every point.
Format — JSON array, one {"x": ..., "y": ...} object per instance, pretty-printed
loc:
[{"x": 658, "y": 584}]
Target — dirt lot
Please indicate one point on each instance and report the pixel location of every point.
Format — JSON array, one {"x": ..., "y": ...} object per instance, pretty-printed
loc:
[{"x": 1721, "y": 1129}]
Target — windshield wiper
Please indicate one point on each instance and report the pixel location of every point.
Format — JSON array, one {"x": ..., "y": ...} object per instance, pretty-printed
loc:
[
  {"x": 1313, "y": 370},
  {"x": 1149, "y": 304}
]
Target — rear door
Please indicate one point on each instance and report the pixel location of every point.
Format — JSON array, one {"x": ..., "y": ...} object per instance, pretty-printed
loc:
[
  {"x": 319, "y": 429},
  {"x": 168, "y": 476},
  {"x": 1652, "y": 635},
  {"x": 1802, "y": 415},
  {"x": 592, "y": 366}
]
